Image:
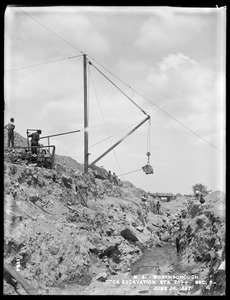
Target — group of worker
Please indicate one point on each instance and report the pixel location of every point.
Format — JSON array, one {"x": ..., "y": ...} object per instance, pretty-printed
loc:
[
  {"x": 113, "y": 178},
  {"x": 35, "y": 136}
]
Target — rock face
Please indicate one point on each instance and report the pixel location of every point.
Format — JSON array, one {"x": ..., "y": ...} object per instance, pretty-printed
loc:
[{"x": 56, "y": 240}]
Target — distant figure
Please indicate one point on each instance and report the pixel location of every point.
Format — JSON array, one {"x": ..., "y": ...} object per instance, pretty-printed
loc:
[
  {"x": 180, "y": 223},
  {"x": 110, "y": 177},
  {"x": 201, "y": 199},
  {"x": 197, "y": 194},
  {"x": 115, "y": 179},
  {"x": 169, "y": 226},
  {"x": 119, "y": 182},
  {"x": 188, "y": 230},
  {"x": 35, "y": 136},
  {"x": 178, "y": 243},
  {"x": 158, "y": 207},
  {"x": 182, "y": 243},
  {"x": 10, "y": 127},
  {"x": 213, "y": 257}
]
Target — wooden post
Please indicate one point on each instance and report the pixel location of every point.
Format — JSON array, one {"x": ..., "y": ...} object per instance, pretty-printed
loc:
[
  {"x": 86, "y": 138},
  {"x": 49, "y": 144}
]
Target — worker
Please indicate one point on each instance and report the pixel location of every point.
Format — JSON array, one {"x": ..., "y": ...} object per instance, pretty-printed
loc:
[
  {"x": 110, "y": 177},
  {"x": 201, "y": 199},
  {"x": 158, "y": 207},
  {"x": 180, "y": 223},
  {"x": 182, "y": 243},
  {"x": 35, "y": 136},
  {"x": 213, "y": 257},
  {"x": 169, "y": 227},
  {"x": 10, "y": 127},
  {"x": 115, "y": 179},
  {"x": 178, "y": 243},
  {"x": 188, "y": 230},
  {"x": 197, "y": 193},
  {"x": 168, "y": 212}
]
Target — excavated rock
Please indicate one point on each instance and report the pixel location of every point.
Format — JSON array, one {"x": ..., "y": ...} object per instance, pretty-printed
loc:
[
  {"x": 58, "y": 241},
  {"x": 128, "y": 235}
]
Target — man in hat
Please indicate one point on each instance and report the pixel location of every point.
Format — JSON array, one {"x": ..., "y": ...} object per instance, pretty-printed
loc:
[{"x": 35, "y": 136}]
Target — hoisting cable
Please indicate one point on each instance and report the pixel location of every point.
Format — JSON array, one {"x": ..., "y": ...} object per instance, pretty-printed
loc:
[
  {"x": 118, "y": 88},
  {"x": 148, "y": 153},
  {"x": 153, "y": 104},
  {"x": 104, "y": 119},
  {"x": 114, "y": 134},
  {"x": 130, "y": 172}
]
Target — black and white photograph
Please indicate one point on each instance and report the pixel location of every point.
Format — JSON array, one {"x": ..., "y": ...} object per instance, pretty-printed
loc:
[{"x": 114, "y": 150}]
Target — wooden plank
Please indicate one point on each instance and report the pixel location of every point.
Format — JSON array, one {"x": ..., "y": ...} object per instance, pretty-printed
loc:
[
  {"x": 30, "y": 290},
  {"x": 81, "y": 194}
]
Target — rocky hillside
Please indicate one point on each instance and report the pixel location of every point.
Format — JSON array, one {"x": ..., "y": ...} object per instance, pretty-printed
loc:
[{"x": 62, "y": 240}]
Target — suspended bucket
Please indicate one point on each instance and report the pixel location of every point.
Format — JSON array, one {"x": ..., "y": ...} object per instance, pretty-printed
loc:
[{"x": 147, "y": 169}]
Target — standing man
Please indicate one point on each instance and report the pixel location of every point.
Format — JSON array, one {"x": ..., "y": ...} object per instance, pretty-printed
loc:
[
  {"x": 158, "y": 207},
  {"x": 115, "y": 179},
  {"x": 10, "y": 127},
  {"x": 110, "y": 177},
  {"x": 35, "y": 136},
  {"x": 178, "y": 243},
  {"x": 180, "y": 223}
]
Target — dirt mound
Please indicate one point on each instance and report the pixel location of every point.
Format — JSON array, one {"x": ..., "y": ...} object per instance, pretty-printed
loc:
[{"x": 215, "y": 197}]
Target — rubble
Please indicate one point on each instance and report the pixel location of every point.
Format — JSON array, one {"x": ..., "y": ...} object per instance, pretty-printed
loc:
[{"x": 59, "y": 242}]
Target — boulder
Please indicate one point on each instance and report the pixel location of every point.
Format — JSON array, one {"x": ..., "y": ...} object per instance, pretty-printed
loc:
[
  {"x": 165, "y": 237},
  {"x": 53, "y": 250},
  {"x": 222, "y": 267},
  {"x": 128, "y": 235},
  {"x": 140, "y": 228},
  {"x": 102, "y": 276},
  {"x": 67, "y": 181}
]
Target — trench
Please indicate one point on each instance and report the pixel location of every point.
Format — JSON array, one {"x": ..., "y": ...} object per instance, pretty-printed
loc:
[{"x": 159, "y": 260}]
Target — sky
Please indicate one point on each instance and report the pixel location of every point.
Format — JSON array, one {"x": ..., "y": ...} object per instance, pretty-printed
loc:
[{"x": 170, "y": 61}]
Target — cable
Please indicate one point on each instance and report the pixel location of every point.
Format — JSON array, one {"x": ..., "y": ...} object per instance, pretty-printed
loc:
[
  {"x": 158, "y": 107},
  {"x": 104, "y": 121},
  {"x": 130, "y": 172},
  {"x": 48, "y": 62},
  {"x": 114, "y": 134},
  {"x": 47, "y": 28},
  {"x": 149, "y": 137},
  {"x": 123, "y": 83},
  {"x": 118, "y": 88}
]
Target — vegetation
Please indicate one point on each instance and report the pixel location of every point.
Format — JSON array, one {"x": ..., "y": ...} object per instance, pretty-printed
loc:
[{"x": 201, "y": 188}]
